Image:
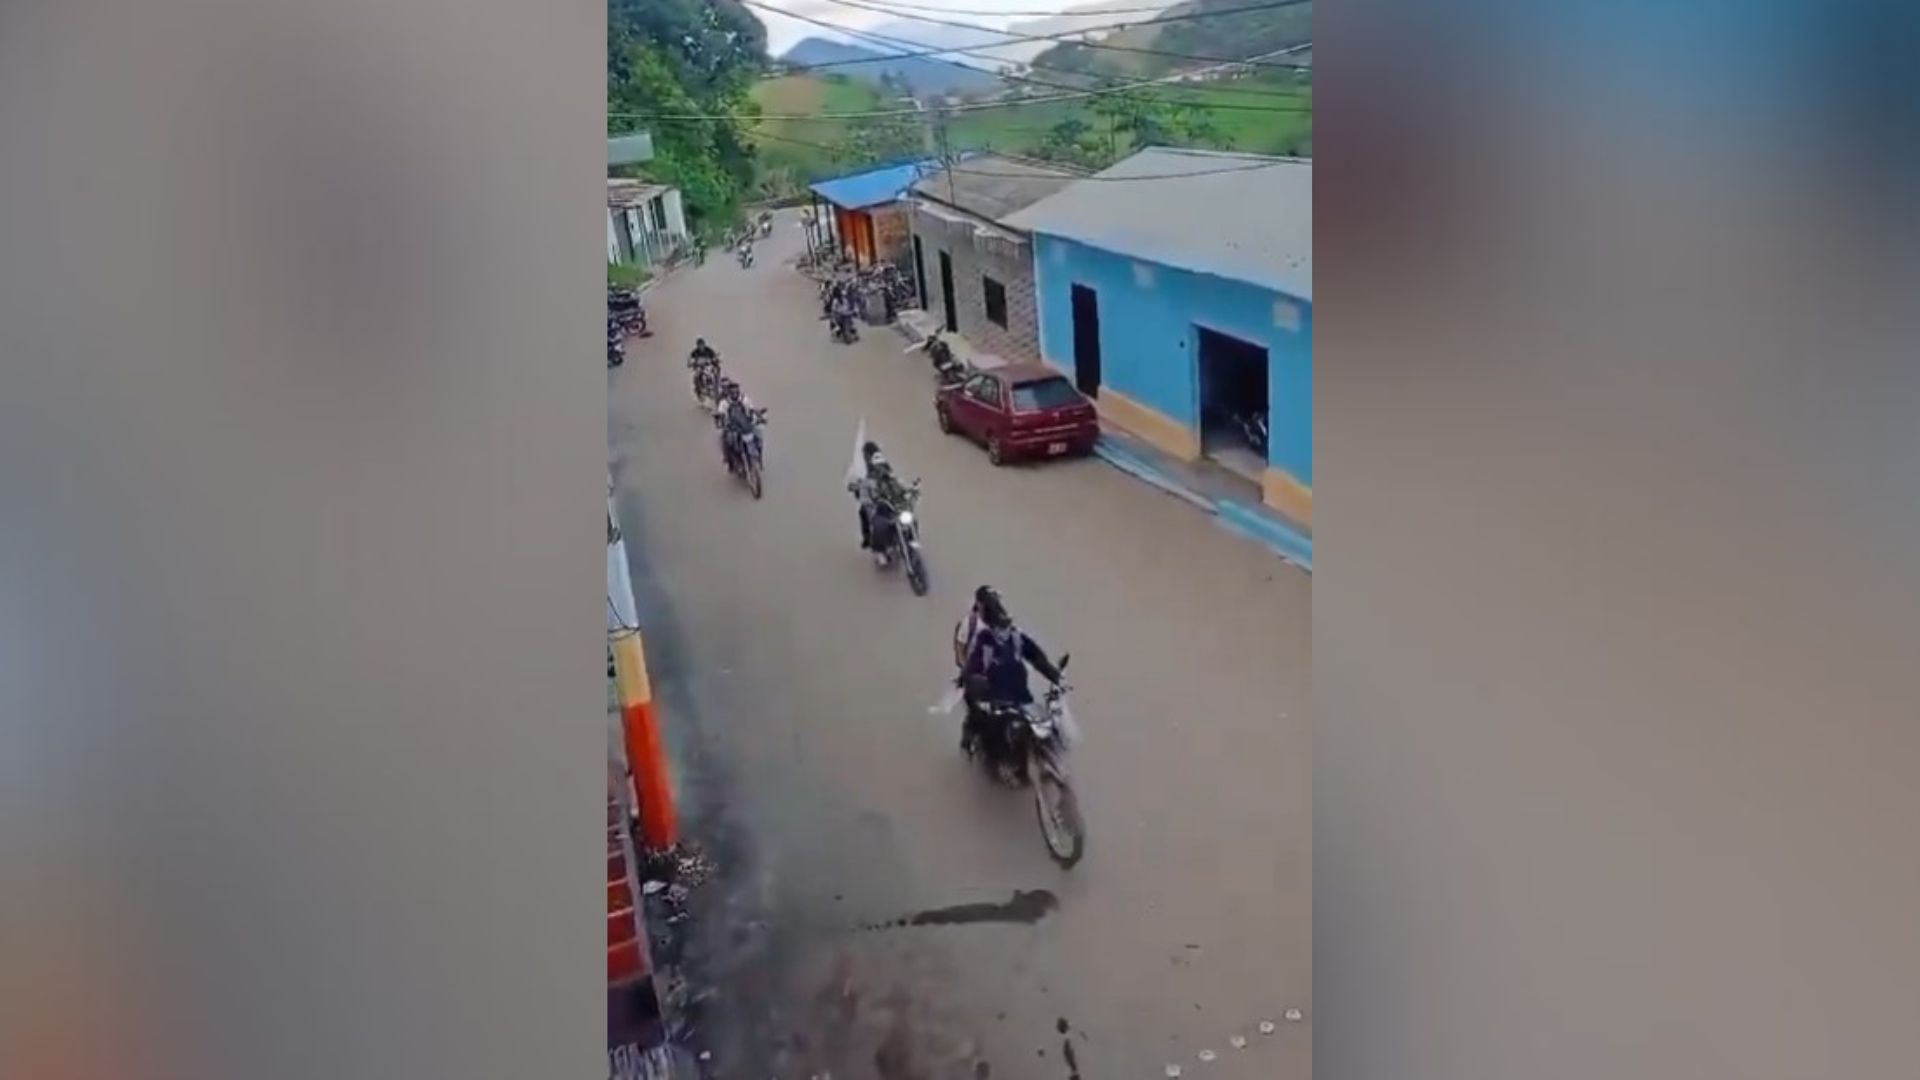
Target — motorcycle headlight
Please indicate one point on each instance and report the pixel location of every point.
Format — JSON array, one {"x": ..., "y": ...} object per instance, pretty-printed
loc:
[{"x": 906, "y": 517}]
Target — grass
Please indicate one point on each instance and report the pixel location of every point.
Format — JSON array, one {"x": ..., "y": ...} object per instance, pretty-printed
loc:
[
  {"x": 784, "y": 165},
  {"x": 626, "y": 275},
  {"x": 1019, "y": 130}
]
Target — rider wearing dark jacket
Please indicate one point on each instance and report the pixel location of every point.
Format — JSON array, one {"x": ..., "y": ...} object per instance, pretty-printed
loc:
[{"x": 995, "y": 671}]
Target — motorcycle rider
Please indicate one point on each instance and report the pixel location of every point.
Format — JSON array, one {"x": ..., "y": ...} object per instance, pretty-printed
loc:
[
  {"x": 842, "y": 312},
  {"x": 736, "y": 417},
  {"x": 703, "y": 358},
  {"x": 995, "y": 670},
  {"x": 880, "y": 494}
]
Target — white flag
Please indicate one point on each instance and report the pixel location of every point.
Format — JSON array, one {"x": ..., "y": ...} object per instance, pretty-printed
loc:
[{"x": 857, "y": 471}]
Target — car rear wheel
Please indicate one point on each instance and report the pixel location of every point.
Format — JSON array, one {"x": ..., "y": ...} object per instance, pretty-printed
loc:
[{"x": 945, "y": 418}]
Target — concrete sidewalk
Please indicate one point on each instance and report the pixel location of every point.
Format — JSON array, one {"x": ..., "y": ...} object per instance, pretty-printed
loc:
[{"x": 1232, "y": 499}]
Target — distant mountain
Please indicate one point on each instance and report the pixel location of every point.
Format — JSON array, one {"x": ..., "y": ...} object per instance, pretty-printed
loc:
[
  {"x": 925, "y": 78},
  {"x": 1230, "y": 37}
]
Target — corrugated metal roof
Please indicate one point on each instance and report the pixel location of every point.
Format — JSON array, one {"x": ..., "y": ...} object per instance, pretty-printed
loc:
[
  {"x": 873, "y": 187},
  {"x": 631, "y": 193},
  {"x": 1185, "y": 209},
  {"x": 993, "y": 185}
]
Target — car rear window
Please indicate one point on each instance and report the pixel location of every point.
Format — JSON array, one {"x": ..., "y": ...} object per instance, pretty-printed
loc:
[{"x": 1054, "y": 393}]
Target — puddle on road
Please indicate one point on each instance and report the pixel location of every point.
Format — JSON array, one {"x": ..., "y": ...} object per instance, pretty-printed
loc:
[{"x": 1026, "y": 907}]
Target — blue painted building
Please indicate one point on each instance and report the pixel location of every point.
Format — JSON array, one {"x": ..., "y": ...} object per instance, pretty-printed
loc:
[{"x": 1177, "y": 289}]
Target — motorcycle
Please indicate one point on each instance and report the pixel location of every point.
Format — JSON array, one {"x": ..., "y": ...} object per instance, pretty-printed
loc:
[
  {"x": 898, "y": 539},
  {"x": 625, "y": 310},
  {"x": 616, "y": 351},
  {"x": 1253, "y": 426},
  {"x": 746, "y": 256},
  {"x": 947, "y": 367},
  {"x": 706, "y": 382},
  {"x": 744, "y": 450},
  {"x": 844, "y": 330},
  {"x": 1034, "y": 743},
  {"x": 766, "y": 224}
]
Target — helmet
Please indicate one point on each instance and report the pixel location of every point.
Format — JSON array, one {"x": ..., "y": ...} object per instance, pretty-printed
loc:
[
  {"x": 870, "y": 449},
  {"x": 993, "y": 610},
  {"x": 699, "y": 343}
]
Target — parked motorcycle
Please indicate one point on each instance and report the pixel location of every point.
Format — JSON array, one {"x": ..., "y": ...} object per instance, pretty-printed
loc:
[
  {"x": 625, "y": 309},
  {"x": 616, "y": 350},
  {"x": 1032, "y": 752},
  {"x": 898, "y": 539},
  {"x": 1253, "y": 426},
  {"x": 947, "y": 367},
  {"x": 744, "y": 450}
]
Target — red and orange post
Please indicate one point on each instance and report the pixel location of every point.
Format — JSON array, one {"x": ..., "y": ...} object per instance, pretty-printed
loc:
[{"x": 640, "y": 735}]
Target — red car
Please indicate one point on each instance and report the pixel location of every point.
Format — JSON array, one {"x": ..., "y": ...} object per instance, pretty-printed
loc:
[{"x": 1019, "y": 410}]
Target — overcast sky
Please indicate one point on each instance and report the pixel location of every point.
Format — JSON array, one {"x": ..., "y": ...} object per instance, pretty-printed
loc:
[{"x": 782, "y": 33}]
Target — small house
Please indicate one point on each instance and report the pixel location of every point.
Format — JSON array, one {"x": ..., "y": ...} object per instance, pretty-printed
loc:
[
  {"x": 645, "y": 221},
  {"x": 974, "y": 272},
  {"x": 1177, "y": 288}
]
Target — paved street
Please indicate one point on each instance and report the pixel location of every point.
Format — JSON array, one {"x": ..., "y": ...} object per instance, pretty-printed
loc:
[{"x": 794, "y": 680}]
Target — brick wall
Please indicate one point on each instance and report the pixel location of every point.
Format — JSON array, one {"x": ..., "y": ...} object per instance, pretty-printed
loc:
[{"x": 1009, "y": 264}]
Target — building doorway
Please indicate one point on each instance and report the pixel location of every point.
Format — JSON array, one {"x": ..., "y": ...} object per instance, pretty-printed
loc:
[
  {"x": 946, "y": 293},
  {"x": 1233, "y": 402},
  {"x": 1086, "y": 340},
  {"x": 919, "y": 274}
]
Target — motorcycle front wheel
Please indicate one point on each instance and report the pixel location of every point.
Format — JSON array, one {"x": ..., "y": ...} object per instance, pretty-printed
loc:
[
  {"x": 751, "y": 471},
  {"x": 1058, "y": 810},
  {"x": 916, "y": 570}
]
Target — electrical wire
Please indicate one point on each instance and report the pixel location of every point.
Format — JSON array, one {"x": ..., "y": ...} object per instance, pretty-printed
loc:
[
  {"x": 962, "y": 171},
  {"x": 1061, "y": 12},
  {"x": 1073, "y": 91},
  {"x": 885, "y": 8},
  {"x": 897, "y": 42},
  {"x": 1271, "y": 5}
]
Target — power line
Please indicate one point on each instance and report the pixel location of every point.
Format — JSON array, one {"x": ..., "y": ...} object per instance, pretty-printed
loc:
[
  {"x": 884, "y": 8},
  {"x": 1073, "y": 94},
  {"x": 1154, "y": 9},
  {"x": 1016, "y": 39},
  {"x": 1074, "y": 91},
  {"x": 961, "y": 170}
]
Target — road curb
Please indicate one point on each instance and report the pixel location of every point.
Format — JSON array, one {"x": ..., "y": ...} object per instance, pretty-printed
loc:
[{"x": 1289, "y": 544}]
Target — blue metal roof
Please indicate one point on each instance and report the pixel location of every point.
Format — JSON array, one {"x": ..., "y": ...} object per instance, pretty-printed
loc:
[{"x": 873, "y": 187}]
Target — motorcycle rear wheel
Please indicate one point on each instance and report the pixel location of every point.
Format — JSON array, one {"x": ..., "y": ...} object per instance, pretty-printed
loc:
[{"x": 1058, "y": 811}]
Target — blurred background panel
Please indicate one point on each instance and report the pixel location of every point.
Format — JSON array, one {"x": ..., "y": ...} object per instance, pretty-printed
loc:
[
  {"x": 302, "y": 466},
  {"x": 1617, "y": 604}
]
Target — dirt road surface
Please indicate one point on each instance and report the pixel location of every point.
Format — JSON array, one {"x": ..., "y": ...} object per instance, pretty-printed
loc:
[{"x": 795, "y": 679}]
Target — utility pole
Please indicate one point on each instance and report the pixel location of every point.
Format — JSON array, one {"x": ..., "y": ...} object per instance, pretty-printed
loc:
[{"x": 945, "y": 149}]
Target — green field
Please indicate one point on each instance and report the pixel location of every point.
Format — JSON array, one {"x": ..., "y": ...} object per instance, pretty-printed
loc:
[
  {"x": 794, "y": 152},
  {"x": 1020, "y": 130}
]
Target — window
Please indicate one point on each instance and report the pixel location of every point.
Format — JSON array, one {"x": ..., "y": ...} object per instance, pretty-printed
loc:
[
  {"x": 1054, "y": 393},
  {"x": 658, "y": 209},
  {"x": 977, "y": 389},
  {"x": 996, "y": 301}
]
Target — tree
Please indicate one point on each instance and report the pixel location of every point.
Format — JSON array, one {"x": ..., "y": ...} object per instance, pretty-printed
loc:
[{"x": 687, "y": 57}]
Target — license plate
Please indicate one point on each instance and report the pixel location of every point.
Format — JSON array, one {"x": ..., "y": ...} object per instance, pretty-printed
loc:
[{"x": 1056, "y": 448}]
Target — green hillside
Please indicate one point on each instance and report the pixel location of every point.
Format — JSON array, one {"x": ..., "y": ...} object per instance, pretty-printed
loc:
[
  {"x": 1038, "y": 130},
  {"x": 790, "y": 153},
  {"x": 1231, "y": 37}
]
